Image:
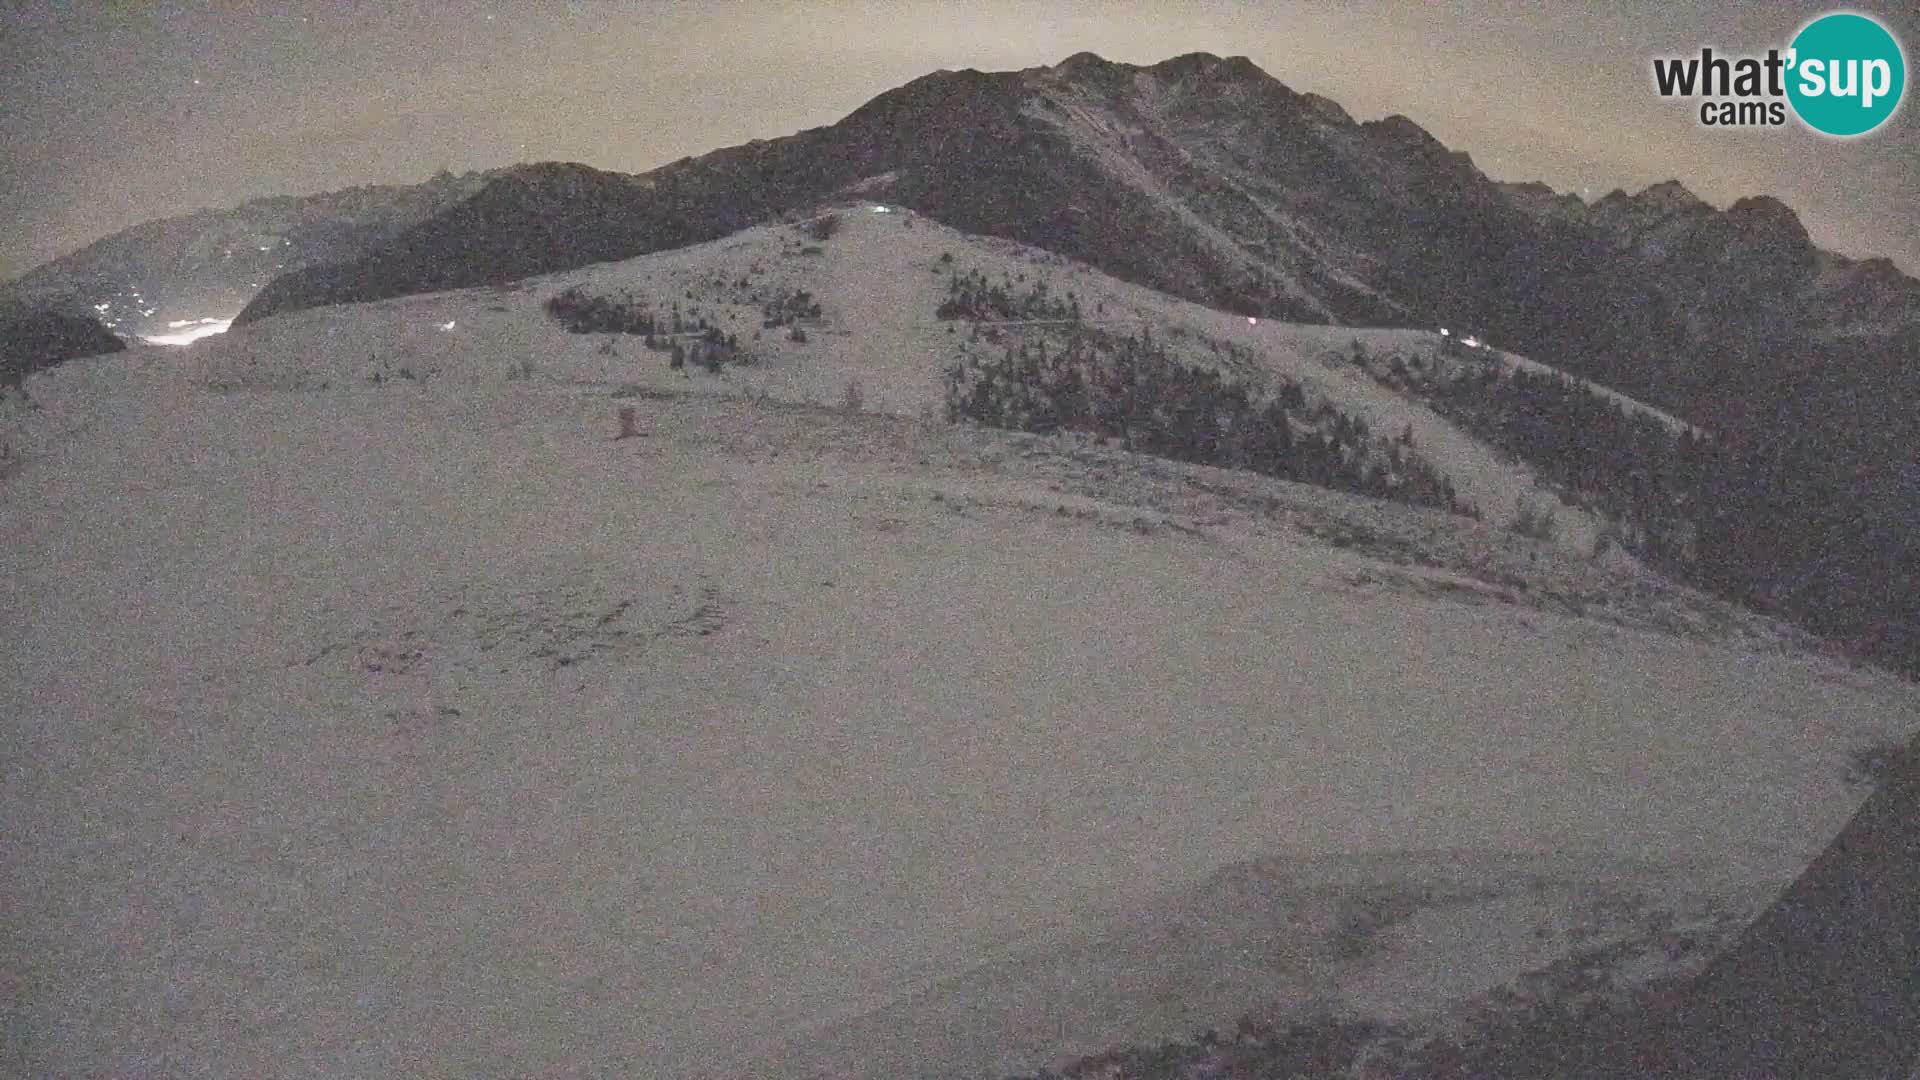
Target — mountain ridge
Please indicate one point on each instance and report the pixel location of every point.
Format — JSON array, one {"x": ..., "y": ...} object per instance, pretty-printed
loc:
[
  {"x": 1117, "y": 126},
  {"x": 209, "y": 263}
]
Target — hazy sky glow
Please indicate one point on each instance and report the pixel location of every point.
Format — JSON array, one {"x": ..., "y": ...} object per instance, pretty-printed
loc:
[{"x": 103, "y": 125}]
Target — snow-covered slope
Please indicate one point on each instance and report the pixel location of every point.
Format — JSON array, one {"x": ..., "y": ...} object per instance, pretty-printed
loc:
[
  {"x": 421, "y": 727},
  {"x": 879, "y": 280}
]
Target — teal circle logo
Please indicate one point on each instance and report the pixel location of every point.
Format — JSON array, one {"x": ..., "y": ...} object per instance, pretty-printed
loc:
[{"x": 1846, "y": 74}]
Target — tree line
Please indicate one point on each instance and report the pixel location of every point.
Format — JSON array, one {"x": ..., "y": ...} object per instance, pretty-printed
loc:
[
  {"x": 1132, "y": 389},
  {"x": 1771, "y": 518},
  {"x": 971, "y": 295},
  {"x": 685, "y": 339}
]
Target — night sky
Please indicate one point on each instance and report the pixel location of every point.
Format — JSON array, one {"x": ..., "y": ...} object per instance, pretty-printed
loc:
[{"x": 112, "y": 113}]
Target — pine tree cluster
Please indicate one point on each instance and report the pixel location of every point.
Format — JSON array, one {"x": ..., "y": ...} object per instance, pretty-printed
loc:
[
  {"x": 1132, "y": 389},
  {"x": 582, "y": 313},
  {"x": 1773, "y": 523},
  {"x": 972, "y": 296},
  {"x": 1624, "y": 463},
  {"x": 787, "y": 306},
  {"x": 686, "y": 338}
]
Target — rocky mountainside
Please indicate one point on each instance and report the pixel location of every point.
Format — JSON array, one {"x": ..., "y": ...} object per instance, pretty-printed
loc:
[
  {"x": 207, "y": 265},
  {"x": 1120, "y": 167}
]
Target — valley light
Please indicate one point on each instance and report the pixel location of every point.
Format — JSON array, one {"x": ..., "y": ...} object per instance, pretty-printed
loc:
[
  {"x": 1443, "y": 332},
  {"x": 1251, "y": 321},
  {"x": 448, "y": 325},
  {"x": 197, "y": 330},
  {"x": 1470, "y": 342},
  {"x": 880, "y": 209}
]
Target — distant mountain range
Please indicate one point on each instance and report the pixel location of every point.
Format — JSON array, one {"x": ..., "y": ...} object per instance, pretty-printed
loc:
[{"x": 142, "y": 281}]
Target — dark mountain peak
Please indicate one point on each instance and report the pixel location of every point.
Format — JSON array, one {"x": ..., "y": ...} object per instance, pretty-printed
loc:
[
  {"x": 1668, "y": 197},
  {"x": 1239, "y": 67},
  {"x": 548, "y": 172},
  {"x": 1403, "y": 130},
  {"x": 950, "y": 77},
  {"x": 1083, "y": 62},
  {"x": 1185, "y": 65},
  {"x": 1765, "y": 211},
  {"x": 1400, "y": 138},
  {"x": 1193, "y": 63},
  {"x": 1761, "y": 223},
  {"x": 1882, "y": 272},
  {"x": 551, "y": 183},
  {"x": 1206, "y": 65},
  {"x": 1661, "y": 208},
  {"x": 1542, "y": 201},
  {"x": 1086, "y": 70},
  {"x": 1327, "y": 111},
  {"x": 942, "y": 99},
  {"x": 549, "y": 168}
]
